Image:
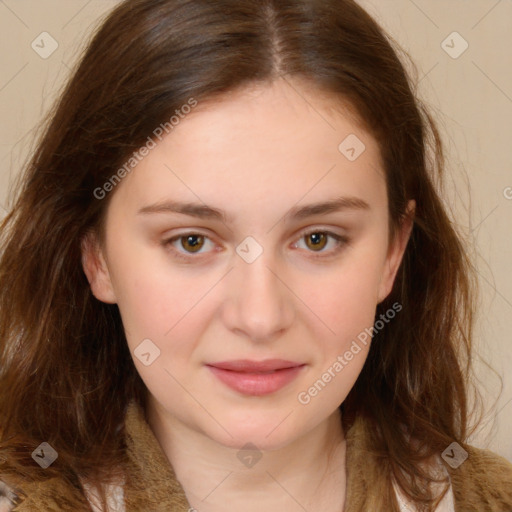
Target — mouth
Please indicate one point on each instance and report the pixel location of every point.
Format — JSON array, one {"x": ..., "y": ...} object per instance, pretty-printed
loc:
[{"x": 256, "y": 378}]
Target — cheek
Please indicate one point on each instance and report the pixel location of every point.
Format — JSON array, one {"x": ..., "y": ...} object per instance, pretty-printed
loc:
[
  {"x": 156, "y": 299},
  {"x": 170, "y": 310},
  {"x": 346, "y": 304},
  {"x": 345, "y": 299}
]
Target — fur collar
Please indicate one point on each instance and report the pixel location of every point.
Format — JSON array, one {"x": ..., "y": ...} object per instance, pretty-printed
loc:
[{"x": 482, "y": 482}]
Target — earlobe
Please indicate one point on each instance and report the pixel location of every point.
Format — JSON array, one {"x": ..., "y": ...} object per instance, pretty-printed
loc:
[
  {"x": 396, "y": 252},
  {"x": 96, "y": 270}
]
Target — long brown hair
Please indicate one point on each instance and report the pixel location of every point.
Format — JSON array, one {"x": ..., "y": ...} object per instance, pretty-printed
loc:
[{"x": 66, "y": 374}]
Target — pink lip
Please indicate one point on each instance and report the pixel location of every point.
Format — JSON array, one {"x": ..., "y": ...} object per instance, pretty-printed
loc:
[{"x": 256, "y": 378}]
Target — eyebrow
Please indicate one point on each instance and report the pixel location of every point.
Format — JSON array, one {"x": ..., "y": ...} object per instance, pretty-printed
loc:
[{"x": 204, "y": 211}]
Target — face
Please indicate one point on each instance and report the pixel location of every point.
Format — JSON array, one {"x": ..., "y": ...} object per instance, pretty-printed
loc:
[{"x": 243, "y": 310}]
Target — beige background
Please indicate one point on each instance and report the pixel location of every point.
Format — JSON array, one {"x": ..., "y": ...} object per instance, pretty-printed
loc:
[{"x": 471, "y": 97}]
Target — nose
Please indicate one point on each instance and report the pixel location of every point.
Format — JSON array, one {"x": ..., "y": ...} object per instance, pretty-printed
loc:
[{"x": 260, "y": 306}]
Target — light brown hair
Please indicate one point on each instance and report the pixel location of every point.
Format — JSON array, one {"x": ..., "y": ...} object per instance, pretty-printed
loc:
[{"x": 66, "y": 374}]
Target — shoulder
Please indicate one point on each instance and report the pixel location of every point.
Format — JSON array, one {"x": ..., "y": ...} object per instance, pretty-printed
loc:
[{"x": 483, "y": 481}]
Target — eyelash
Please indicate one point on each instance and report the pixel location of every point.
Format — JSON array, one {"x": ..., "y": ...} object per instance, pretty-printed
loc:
[{"x": 341, "y": 241}]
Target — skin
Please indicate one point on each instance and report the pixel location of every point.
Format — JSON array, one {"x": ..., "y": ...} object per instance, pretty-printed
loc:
[{"x": 256, "y": 154}]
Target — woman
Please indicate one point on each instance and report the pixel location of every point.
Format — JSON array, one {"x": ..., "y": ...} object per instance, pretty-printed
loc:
[{"x": 229, "y": 282}]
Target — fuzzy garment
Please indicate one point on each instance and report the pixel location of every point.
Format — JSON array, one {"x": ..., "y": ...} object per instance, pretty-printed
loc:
[{"x": 483, "y": 483}]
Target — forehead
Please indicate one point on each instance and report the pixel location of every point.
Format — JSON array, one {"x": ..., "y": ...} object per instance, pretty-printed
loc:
[
  {"x": 261, "y": 145},
  {"x": 281, "y": 112}
]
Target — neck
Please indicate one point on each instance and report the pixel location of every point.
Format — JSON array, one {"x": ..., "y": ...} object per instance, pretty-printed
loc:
[{"x": 306, "y": 474}]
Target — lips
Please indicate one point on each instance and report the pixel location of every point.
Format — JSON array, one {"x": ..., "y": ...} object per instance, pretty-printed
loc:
[
  {"x": 256, "y": 378},
  {"x": 248, "y": 366}
]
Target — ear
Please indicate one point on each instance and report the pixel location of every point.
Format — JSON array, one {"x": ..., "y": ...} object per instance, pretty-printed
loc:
[
  {"x": 396, "y": 251},
  {"x": 96, "y": 270}
]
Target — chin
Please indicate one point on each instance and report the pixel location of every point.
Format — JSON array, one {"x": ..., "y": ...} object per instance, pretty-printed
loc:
[{"x": 270, "y": 434}]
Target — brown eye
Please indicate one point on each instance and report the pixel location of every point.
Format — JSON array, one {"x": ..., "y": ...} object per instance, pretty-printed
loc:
[
  {"x": 192, "y": 243},
  {"x": 316, "y": 241},
  {"x": 189, "y": 246}
]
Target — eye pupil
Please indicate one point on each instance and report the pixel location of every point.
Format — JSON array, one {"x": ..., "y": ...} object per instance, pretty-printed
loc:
[
  {"x": 318, "y": 240},
  {"x": 194, "y": 242}
]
